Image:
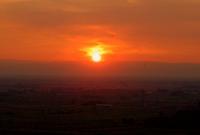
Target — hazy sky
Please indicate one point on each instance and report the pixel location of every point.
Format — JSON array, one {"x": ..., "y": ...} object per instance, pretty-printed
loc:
[{"x": 135, "y": 30}]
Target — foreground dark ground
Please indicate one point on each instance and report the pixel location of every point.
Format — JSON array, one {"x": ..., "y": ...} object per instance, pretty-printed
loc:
[{"x": 99, "y": 106}]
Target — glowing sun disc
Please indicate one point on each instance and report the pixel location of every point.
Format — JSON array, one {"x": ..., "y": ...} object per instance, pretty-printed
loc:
[
  {"x": 97, "y": 52},
  {"x": 96, "y": 57}
]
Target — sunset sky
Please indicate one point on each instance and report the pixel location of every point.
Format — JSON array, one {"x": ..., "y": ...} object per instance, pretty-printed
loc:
[{"x": 131, "y": 30}]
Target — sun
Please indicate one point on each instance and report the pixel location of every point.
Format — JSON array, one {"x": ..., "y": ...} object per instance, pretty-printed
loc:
[
  {"x": 96, "y": 53},
  {"x": 96, "y": 57}
]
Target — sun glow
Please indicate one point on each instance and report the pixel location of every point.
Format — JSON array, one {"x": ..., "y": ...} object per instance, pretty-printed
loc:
[
  {"x": 96, "y": 57},
  {"x": 96, "y": 53}
]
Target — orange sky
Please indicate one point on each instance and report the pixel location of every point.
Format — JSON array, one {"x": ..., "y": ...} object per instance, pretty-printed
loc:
[{"x": 135, "y": 30}]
